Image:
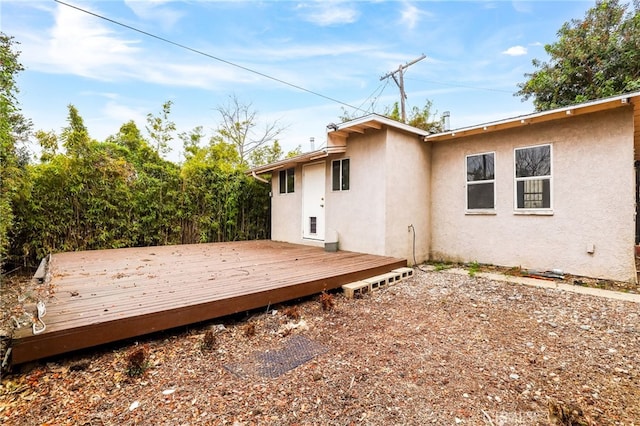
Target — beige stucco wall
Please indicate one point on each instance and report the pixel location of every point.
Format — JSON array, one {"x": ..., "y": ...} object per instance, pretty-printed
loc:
[
  {"x": 388, "y": 191},
  {"x": 593, "y": 198},
  {"x": 408, "y": 196},
  {"x": 286, "y": 212},
  {"x": 358, "y": 215}
]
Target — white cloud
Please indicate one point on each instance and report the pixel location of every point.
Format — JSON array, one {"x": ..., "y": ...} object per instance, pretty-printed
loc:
[
  {"x": 522, "y": 6},
  {"x": 156, "y": 11},
  {"x": 120, "y": 113},
  {"x": 327, "y": 13},
  {"x": 82, "y": 45},
  {"x": 79, "y": 45},
  {"x": 410, "y": 16},
  {"x": 300, "y": 51},
  {"x": 489, "y": 5},
  {"x": 515, "y": 51}
]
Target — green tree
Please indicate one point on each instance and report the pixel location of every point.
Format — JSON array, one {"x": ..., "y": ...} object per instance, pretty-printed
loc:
[
  {"x": 75, "y": 136},
  {"x": 422, "y": 118},
  {"x": 191, "y": 141},
  {"x": 155, "y": 183},
  {"x": 294, "y": 152},
  {"x": 117, "y": 193},
  {"x": 121, "y": 193},
  {"x": 238, "y": 128},
  {"x": 130, "y": 137},
  {"x": 48, "y": 142},
  {"x": 74, "y": 201},
  {"x": 266, "y": 154},
  {"x": 13, "y": 129},
  {"x": 593, "y": 58},
  {"x": 161, "y": 129}
]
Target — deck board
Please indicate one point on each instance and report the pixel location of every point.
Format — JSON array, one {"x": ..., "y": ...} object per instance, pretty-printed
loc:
[{"x": 107, "y": 295}]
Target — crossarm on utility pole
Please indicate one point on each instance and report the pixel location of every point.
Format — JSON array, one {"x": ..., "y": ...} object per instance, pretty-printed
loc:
[{"x": 400, "y": 82}]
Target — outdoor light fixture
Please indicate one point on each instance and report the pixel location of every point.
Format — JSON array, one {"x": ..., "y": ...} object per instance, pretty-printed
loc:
[{"x": 332, "y": 126}]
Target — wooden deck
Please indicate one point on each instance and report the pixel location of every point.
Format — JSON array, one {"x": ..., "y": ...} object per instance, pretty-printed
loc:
[{"x": 107, "y": 295}]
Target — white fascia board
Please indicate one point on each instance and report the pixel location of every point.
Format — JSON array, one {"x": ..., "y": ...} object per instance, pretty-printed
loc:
[{"x": 524, "y": 119}]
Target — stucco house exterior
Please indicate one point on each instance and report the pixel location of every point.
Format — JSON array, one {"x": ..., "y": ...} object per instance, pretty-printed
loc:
[{"x": 549, "y": 190}]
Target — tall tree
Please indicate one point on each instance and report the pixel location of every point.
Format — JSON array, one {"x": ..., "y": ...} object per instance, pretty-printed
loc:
[
  {"x": 75, "y": 136},
  {"x": 423, "y": 118},
  {"x": 594, "y": 57},
  {"x": 48, "y": 142},
  {"x": 129, "y": 136},
  {"x": 13, "y": 128},
  {"x": 161, "y": 129},
  {"x": 191, "y": 142},
  {"x": 239, "y": 128},
  {"x": 266, "y": 154}
]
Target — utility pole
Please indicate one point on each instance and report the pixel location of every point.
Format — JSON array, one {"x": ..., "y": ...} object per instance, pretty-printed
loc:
[{"x": 400, "y": 82}]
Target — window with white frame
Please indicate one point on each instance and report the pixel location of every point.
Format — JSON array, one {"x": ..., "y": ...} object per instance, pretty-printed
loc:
[
  {"x": 286, "y": 179},
  {"x": 481, "y": 181},
  {"x": 533, "y": 177},
  {"x": 340, "y": 174}
]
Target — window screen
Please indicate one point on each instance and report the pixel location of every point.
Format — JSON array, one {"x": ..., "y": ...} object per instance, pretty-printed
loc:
[
  {"x": 481, "y": 181},
  {"x": 340, "y": 174},
  {"x": 286, "y": 180},
  {"x": 533, "y": 177}
]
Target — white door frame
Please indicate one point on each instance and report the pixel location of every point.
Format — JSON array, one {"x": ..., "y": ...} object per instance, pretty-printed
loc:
[{"x": 313, "y": 201}]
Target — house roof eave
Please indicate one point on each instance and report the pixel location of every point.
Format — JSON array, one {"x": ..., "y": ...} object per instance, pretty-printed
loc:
[
  {"x": 539, "y": 117},
  {"x": 290, "y": 162},
  {"x": 372, "y": 121},
  {"x": 342, "y": 132}
]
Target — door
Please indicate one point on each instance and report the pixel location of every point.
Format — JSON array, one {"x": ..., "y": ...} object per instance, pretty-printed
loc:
[{"x": 313, "y": 181}]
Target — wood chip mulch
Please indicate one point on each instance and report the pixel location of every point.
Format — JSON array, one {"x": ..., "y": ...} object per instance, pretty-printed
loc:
[{"x": 437, "y": 349}]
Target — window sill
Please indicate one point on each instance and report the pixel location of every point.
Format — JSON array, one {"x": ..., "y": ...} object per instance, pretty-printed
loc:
[
  {"x": 480, "y": 212},
  {"x": 533, "y": 212}
]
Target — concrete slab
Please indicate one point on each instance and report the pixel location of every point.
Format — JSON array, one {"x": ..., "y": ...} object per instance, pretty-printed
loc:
[{"x": 541, "y": 283}]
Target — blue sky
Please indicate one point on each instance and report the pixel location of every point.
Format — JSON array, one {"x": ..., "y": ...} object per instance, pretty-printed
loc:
[{"x": 477, "y": 53}]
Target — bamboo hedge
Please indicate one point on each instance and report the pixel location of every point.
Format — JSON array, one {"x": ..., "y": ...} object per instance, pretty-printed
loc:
[{"x": 114, "y": 194}]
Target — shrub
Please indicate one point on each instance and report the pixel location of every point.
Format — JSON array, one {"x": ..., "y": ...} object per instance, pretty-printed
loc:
[{"x": 137, "y": 361}]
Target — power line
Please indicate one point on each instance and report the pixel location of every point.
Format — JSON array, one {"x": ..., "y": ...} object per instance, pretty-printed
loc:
[
  {"x": 377, "y": 98},
  {"x": 373, "y": 95},
  {"x": 199, "y": 52}
]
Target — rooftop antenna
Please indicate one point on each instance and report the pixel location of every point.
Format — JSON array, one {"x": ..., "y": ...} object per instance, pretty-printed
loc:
[{"x": 400, "y": 82}]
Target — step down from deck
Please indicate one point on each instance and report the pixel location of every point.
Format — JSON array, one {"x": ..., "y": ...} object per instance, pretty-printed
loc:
[
  {"x": 358, "y": 288},
  {"x": 404, "y": 272},
  {"x": 375, "y": 283},
  {"x": 383, "y": 280}
]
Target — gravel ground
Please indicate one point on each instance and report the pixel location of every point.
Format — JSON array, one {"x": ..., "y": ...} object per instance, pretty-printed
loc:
[{"x": 438, "y": 349}]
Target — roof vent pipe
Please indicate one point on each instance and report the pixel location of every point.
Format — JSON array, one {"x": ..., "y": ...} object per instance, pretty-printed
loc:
[
  {"x": 446, "y": 126},
  {"x": 312, "y": 142}
]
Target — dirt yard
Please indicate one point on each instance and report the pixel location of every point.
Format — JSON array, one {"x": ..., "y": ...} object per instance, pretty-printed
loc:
[{"x": 437, "y": 349}]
